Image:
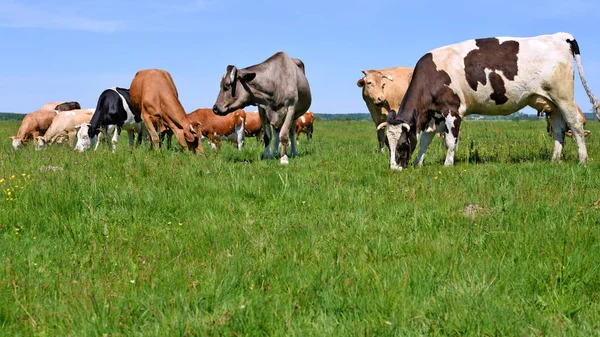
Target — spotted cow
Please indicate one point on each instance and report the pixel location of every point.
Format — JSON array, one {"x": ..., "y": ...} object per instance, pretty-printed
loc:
[{"x": 489, "y": 76}]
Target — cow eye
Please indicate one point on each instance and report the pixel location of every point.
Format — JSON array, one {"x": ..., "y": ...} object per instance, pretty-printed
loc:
[{"x": 369, "y": 82}]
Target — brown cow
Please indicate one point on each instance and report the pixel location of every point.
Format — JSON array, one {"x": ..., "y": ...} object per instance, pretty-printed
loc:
[
  {"x": 217, "y": 128},
  {"x": 543, "y": 107},
  {"x": 253, "y": 126},
  {"x": 382, "y": 91},
  {"x": 37, "y": 122},
  {"x": 154, "y": 97},
  {"x": 305, "y": 124}
]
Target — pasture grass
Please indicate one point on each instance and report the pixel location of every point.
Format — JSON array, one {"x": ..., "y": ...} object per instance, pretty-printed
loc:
[{"x": 167, "y": 243}]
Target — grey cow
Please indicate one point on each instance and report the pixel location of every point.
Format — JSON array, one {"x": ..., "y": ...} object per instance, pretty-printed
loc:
[{"x": 278, "y": 86}]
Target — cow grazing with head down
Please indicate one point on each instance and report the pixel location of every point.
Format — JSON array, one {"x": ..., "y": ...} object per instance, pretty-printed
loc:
[
  {"x": 217, "y": 128},
  {"x": 113, "y": 114},
  {"x": 278, "y": 86},
  {"x": 154, "y": 97},
  {"x": 382, "y": 91},
  {"x": 491, "y": 76},
  {"x": 36, "y": 123},
  {"x": 65, "y": 124},
  {"x": 305, "y": 124}
]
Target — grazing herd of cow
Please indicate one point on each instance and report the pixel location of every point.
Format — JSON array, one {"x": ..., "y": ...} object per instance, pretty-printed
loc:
[
  {"x": 154, "y": 93},
  {"x": 490, "y": 76}
]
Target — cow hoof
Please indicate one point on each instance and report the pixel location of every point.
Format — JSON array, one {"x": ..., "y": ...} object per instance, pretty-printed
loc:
[
  {"x": 284, "y": 160},
  {"x": 396, "y": 167}
]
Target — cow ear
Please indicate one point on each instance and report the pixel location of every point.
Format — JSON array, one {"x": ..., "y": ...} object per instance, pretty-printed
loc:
[
  {"x": 247, "y": 77},
  {"x": 364, "y": 72},
  {"x": 361, "y": 82}
]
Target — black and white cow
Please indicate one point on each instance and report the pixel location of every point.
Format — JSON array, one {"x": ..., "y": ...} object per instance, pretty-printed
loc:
[
  {"x": 491, "y": 76},
  {"x": 113, "y": 113}
]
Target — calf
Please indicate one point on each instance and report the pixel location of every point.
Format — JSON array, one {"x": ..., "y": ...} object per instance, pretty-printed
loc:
[
  {"x": 305, "y": 124},
  {"x": 65, "y": 124},
  {"x": 154, "y": 97},
  {"x": 217, "y": 128},
  {"x": 382, "y": 91},
  {"x": 113, "y": 114},
  {"x": 492, "y": 76},
  {"x": 278, "y": 86},
  {"x": 36, "y": 123}
]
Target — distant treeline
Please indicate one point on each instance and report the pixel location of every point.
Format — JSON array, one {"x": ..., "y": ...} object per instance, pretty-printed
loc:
[{"x": 7, "y": 116}]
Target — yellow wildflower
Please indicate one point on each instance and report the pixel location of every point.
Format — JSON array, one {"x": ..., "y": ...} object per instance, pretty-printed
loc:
[
  {"x": 168, "y": 223},
  {"x": 12, "y": 177},
  {"x": 23, "y": 174},
  {"x": 180, "y": 224}
]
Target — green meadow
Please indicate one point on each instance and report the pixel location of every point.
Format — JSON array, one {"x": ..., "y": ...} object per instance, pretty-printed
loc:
[{"x": 166, "y": 243}]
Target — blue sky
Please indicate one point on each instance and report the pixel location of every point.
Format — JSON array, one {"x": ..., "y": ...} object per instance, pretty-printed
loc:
[{"x": 74, "y": 49}]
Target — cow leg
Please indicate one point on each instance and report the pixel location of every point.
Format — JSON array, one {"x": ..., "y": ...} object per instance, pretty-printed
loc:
[
  {"x": 309, "y": 134},
  {"x": 424, "y": 141},
  {"x": 267, "y": 135},
  {"x": 393, "y": 133},
  {"x": 284, "y": 136},
  {"x": 276, "y": 142},
  {"x": 381, "y": 140},
  {"x": 131, "y": 136},
  {"x": 151, "y": 131},
  {"x": 574, "y": 121},
  {"x": 72, "y": 138},
  {"x": 115, "y": 138},
  {"x": 293, "y": 141},
  {"x": 239, "y": 132},
  {"x": 453, "y": 121}
]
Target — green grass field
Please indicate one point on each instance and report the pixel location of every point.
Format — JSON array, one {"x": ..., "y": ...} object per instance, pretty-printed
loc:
[{"x": 335, "y": 244}]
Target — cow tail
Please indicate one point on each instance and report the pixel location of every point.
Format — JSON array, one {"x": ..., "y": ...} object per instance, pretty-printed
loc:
[{"x": 577, "y": 56}]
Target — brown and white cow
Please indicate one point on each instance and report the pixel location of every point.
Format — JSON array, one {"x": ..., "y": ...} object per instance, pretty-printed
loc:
[
  {"x": 491, "y": 76},
  {"x": 154, "y": 97},
  {"x": 253, "y": 126},
  {"x": 278, "y": 86},
  {"x": 305, "y": 124},
  {"x": 382, "y": 91},
  {"x": 547, "y": 110},
  {"x": 217, "y": 128},
  {"x": 65, "y": 124},
  {"x": 36, "y": 123}
]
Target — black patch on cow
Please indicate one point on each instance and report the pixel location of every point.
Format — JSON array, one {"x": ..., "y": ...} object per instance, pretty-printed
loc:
[
  {"x": 574, "y": 46},
  {"x": 67, "y": 106},
  {"x": 456, "y": 127},
  {"x": 494, "y": 56},
  {"x": 499, "y": 94}
]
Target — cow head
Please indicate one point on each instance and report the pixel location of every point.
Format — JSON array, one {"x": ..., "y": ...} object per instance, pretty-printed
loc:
[
  {"x": 235, "y": 91},
  {"x": 373, "y": 84},
  {"x": 86, "y": 138},
  {"x": 17, "y": 142},
  {"x": 41, "y": 143}
]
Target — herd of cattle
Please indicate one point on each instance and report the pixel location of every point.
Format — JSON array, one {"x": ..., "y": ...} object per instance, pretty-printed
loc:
[{"x": 490, "y": 76}]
